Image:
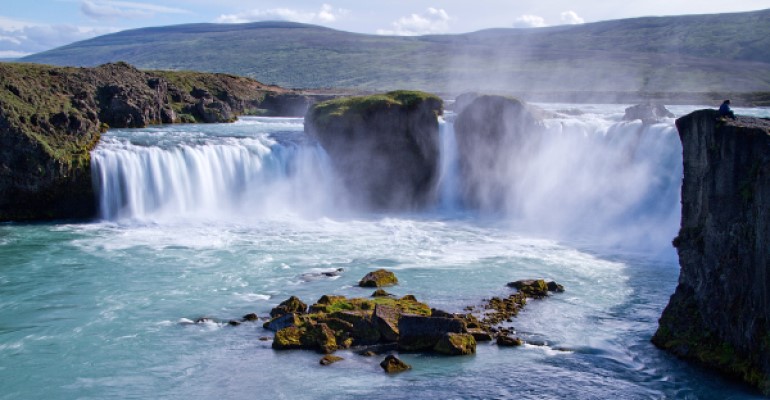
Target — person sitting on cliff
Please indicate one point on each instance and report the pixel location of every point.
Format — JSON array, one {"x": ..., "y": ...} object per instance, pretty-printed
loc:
[{"x": 725, "y": 111}]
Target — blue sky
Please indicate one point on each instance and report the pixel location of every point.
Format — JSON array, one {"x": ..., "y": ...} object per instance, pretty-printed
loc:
[{"x": 30, "y": 26}]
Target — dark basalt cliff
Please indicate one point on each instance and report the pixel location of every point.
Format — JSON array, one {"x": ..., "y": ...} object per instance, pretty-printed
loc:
[
  {"x": 384, "y": 147},
  {"x": 720, "y": 313},
  {"x": 51, "y": 118}
]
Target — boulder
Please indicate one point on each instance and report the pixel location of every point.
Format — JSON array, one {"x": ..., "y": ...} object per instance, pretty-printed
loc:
[
  {"x": 364, "y": 332},
  {"x": 381, "y": 293},
  {"x": 288, "y": 338},
  {"x": 536, "y": 288},
  {"x": 649, "y": 113},
  {"x": 418, "y": 332},
  {"x": 392, "y": 364},
  {"x": 319, "y": 337},
  {"x": 282, "y": 321},
  {"x": 291, "y": 305},
  {"x": 555, "y": 287},
  {"x": 384, "y": 147},
  {"x": 456, "y": 344},
  {"x": 329, "y": 359},
  {"x": 385, "y": 319},
  {"x": 378, "y": 278},
  {"x": 250, "y": 317},
  {"x": 507, "y": 341}
]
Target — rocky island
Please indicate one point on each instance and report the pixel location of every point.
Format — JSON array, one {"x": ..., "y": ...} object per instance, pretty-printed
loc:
[
  {"x": 719, "y": 315},
  {"x": 52, "y": 117},
  {"x": 385, "y": 147}
]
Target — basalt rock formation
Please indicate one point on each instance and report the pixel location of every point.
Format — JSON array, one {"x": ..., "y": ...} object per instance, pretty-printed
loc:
[
  {"x": 720, "y": 313},
  {"x": 384, "y": 147},
  {"x": 52, "y": 117},
  {"x": 493, "y": 133}
]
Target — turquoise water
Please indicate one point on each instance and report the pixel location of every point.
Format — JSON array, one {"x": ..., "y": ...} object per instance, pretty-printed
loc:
[{"x": 103, "y": 309}]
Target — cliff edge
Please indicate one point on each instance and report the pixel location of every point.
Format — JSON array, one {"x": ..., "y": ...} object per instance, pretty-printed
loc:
[
  {"x": 719, "y": 315},
  {"x": 52, "y": 117}
]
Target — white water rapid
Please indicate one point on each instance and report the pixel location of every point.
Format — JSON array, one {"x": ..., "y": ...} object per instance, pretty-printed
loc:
[{"x": 592, "y": 179}]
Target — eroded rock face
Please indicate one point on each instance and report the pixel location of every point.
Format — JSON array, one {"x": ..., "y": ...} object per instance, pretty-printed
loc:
[
  {"x": 52, "y": 117},
  {"x": 648, "y": 113},
  {"x": 494, "y": 134},
  {"x": 384, "y": 147},
  {"x": 720, "y": 312}
]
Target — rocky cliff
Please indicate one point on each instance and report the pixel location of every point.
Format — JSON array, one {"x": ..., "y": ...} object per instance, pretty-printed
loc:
[
  {"x": 51, "y": 118},
  {"x": 493, "y": 132},
  {"x": 384, "y": 147},
  {"x": 720, "y": 313}
]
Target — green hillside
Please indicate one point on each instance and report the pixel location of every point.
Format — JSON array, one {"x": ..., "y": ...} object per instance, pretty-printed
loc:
[{"x": 700, "y": 53}]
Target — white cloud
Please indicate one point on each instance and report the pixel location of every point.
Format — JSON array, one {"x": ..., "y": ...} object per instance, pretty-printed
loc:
[
  {"x": 12, "y": 54},
  {"x": 20, "y": 38},
  {"x": 112, "y": 9},
  {"x": 432, "y": 21},
  {"x": 529, "y": 21},
  {"x": 571, "y": 18},
  {"x": 326, "y": 14}
]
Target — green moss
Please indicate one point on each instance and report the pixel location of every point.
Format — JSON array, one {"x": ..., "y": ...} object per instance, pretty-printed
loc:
[{"x": 326, "y": 111}]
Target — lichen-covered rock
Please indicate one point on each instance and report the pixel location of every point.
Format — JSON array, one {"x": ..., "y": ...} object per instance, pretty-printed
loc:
[
  {"x": 456, "y": 344},
  {"x": 507, "y": 341},
  {"x": 378, "y": 278},
  {"x": 288, "y": 338},
  {"x": 319, "y": 337},
  {"x": 381, "y": 293},
  {"x": 536, "y": 288},
  {"x": 419, "y": 332},
  {"x": 392, "y": 364},
  {"x": 329, "y": 359},
  {"x": 385, "y": 319},
  {"x": 291, "y": 305},
  {"x": 384, "y": 147},
  {"x": 719, "y": 314}
]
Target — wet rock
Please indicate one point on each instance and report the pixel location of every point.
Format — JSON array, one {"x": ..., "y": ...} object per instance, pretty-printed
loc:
[
  {"x": 378, "y": 278},
  {"x": 649, "y": 113},
  {"x": 251, "y": 317},
  {"x": 555, "y": 287},
  {"x": 288, "y": 339},
  {"x": 422, "y": 333},
  {"x": 367, "y": 353},
  {"x": 292, "y": 305},
  {"x": 536, "y": 288},
  {"x": 265, "y": 338},
  {"x": 329, "y": 359},
  {"x": 507, "y": 341},
  {"x": 392, "y": 364},
  {"x": 321, "y": 338},
  {"x": 480, "y": 335},
  {"x": 364, "y": 332},
  {"x": 233, "y": 322},
  {"x": 281, "y": 322},
  {"x": 456, "y": 344},
  {"x": 312, "y": 276},
  {"x": 385, "y": 319},
  {"x": 381, "y": 293}
]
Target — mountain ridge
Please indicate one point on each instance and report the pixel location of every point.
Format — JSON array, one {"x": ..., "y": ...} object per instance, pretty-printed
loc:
[{"x": 707, "y": 52}]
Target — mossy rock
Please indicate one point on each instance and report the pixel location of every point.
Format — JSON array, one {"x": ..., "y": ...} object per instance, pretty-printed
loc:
[
  {"x": 456, "y": 344},
  {"x": 378, "y": 278},
  {"x": 329, "y": 359},
  {"x": 531, "y": 287},
  {"x": 392, "y": 364},
  {"x": 381, "y": 293},
  {"x": 507, "y": 341},
  {"x": 291, "y": 305},
  {"x": 288, "y": 339}
]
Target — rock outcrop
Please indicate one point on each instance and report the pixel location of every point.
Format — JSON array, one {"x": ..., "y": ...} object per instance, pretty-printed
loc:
[
  {"x": 52, "y": 117},
  {"x": 494, "y": 133},
  {"x": 649, "y": 113},
  {"x": 720, "y": 313},
  {"x": 384, "y": 147}
]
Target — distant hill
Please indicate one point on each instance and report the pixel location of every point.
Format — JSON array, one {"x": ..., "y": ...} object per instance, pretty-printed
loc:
[{"x": 697, "y": 53}]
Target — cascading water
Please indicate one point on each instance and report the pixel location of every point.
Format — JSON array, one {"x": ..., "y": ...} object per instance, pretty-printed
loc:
[{"x": 170, "y": 173}]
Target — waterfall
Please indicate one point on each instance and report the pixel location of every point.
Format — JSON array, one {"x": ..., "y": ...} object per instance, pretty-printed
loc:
[
  {"x": 151, "y": 178},
  {"x": 589, "y": 178}
]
